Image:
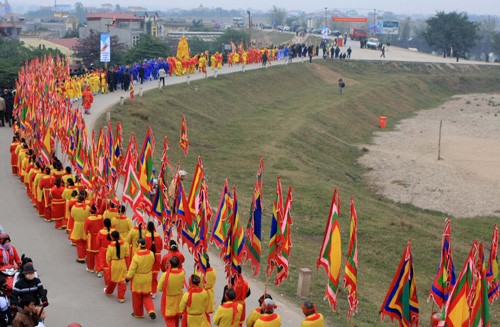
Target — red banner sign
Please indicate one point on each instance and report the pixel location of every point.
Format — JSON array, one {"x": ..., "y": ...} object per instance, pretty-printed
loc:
[{"x": 350, "y": 19}]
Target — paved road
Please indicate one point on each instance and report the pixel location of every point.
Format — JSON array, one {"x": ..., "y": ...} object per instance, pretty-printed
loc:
[{"x": 74, "y": 294}]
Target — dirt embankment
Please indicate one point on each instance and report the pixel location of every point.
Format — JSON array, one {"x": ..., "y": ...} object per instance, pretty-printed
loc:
[{"x": 466, "y": 182}]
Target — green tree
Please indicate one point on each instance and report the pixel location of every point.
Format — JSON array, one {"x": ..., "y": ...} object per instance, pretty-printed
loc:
[
  {"x": 89, "y": 49},
  {"x": 197, "y": 45},
  {"x": 80, "y": 12},
  {"x": 147, "y": 47},
  {"x": 451, "y": 31},
  {"x": 486, "y": 33},
  {"x": 236, "y": 36},
  {"x": 406, "y": 29},
  {"x": 496, "y": 43},
  {"x": 278, "y": 16},
  {"x": 71, "y": 34},
  {"x": 13, "y": 55}
]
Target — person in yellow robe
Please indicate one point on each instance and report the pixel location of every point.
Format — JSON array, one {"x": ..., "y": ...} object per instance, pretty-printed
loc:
[
  {"x": 208, "y": 285},
  {"x": 257, "y": 312},
  {"x": 171, "y": 285},
  {"x": 228, "y": 314},
  {"x": 121, "y": 222},
  {"x": 313, "y": 318},
  {"x": 116, "y": 253},
  {"x": 133, "y": 236},
  {"x": 80, "y": 212},
  {"x": 194, "y": 305},
  {"x": 268, "y": 318},
  {"x": 141, "y": 276},
  {"x": 37, "y": 192}
]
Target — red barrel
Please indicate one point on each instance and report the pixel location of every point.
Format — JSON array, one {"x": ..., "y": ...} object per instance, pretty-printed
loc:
[{"x": 382, "y": 121}]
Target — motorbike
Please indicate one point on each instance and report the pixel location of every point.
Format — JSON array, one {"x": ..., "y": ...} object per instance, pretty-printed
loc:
[{"x": 8, "y": 271}]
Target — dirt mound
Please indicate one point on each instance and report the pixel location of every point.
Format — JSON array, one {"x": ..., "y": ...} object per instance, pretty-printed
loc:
[{"x": 466, "y": 183}]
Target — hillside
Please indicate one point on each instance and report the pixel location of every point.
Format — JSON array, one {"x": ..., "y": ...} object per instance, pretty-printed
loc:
[{"x": 311, "y": 138}]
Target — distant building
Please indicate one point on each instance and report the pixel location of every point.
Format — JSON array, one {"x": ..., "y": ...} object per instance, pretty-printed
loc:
[
  {"x": 136, "y": 9},
  {"x": 5, "y": 9},
  {"x": 10, "y": 29},
  {"x": 71, "y": 23},
  {"x": 127, "y": 27}
]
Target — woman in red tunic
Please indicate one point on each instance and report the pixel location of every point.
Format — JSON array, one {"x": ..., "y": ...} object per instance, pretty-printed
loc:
[
  {"x": 103, "y": 241},
  {"x": 88, "y": 98},
  {"x": 58, "y": 205},
  {"x": 154, "y": 243},
  {"x": 13, "y": 155}
]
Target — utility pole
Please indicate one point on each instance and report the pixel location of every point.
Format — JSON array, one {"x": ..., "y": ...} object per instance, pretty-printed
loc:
[
  {"x": 249, "y": 26},
  {"x": 374, "y": 21},
  {"x": 326, "y": 17}
]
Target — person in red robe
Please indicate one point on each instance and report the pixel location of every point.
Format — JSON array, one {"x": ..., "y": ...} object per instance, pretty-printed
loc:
[
  {"x": 13, "y": 155},
  {"x": 87, "y": 98},
  {"x": 154, "y": 243},
  {"x": 46, "y": 184},
  {"x": 103, "y": 241},
  {"x": 173, "y": 252},
  {"x": 240, "y": 286},
  {"x": 58, "y": 204},
  {"x": 92, "y": 226}
]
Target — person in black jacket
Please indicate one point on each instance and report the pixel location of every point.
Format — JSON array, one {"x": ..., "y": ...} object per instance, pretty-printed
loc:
[
  {"x": 5, "y": 312},
  {"x": 28, "y": 284},
  {"x": 126, "y": 80}
]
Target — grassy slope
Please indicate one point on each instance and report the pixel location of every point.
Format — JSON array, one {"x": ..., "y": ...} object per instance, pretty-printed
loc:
[{"x": 310, "y": 137}]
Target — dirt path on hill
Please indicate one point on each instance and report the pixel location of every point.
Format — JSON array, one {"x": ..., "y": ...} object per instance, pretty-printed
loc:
[{"x": 466, "y": 183}]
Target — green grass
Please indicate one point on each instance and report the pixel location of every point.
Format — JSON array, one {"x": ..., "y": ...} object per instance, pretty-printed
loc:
[
  {"x": 312, "y": 138},
  {"x": 269, "y": 37}
]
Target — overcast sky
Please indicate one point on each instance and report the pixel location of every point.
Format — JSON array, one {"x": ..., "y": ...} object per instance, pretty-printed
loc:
[{"x": 488, "y": 7}]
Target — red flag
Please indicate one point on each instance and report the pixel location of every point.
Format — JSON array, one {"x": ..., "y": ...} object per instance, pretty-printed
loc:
[
  {"x": 351, "y": 264},
  {"x": 183, "y": 142}
]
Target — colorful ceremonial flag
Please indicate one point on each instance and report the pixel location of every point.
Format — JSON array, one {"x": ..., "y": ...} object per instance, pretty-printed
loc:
[
  {"x": 204, "y": 213},
  {"x": 131, "y": 88},
  {"x": 132, "y": 187},
  {"x": 234, "y": 242},
  {"x": 145, "y": 169},
  {"x": 46, "y": 146},
  {"x": 186, "y": 222},
  {"x": 194, "y": 193},
  {"x": 401, "y": 302},
  {"x": 330, "y": 256},
  {"x": 116, "y": 150},
  {"x": 161, "y": 207},
  {"x": 480, "y": 306},
  {"x": 253, "y": 235},
  {"x": 130, "y": 154},
  {"x": 457, "y": 310},
  {"x": 286, "y": 231},
  {"x": 445, "y": 277},
  {"x": 183, "y": 142},
  {"x": 80, "y": 151},
  {"x": 276, "y": 240},
  {"x": 351, "y": 265},
  {"x": 492, "y": 273},
  {"x": 222, "y": 219}
]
